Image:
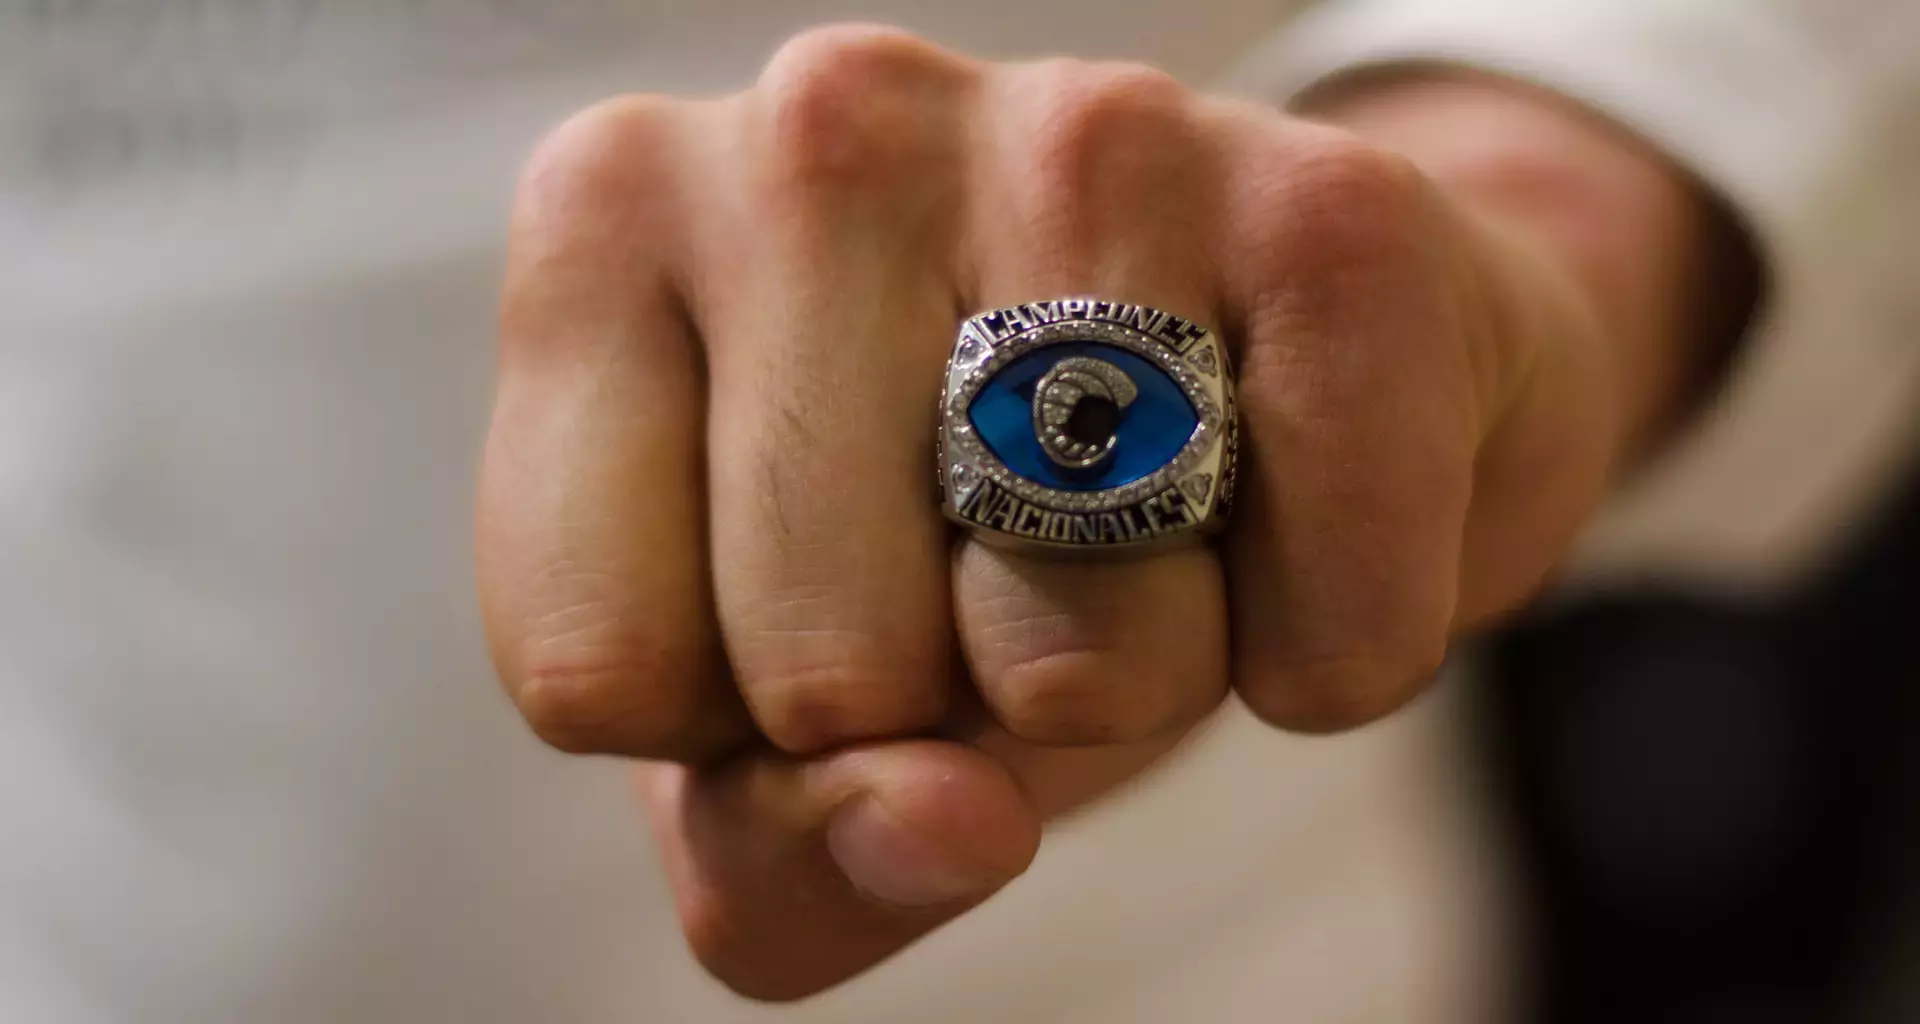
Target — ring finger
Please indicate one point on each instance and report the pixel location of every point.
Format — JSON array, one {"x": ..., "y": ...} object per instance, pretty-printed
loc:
[{"x": 1077, "y": 651}]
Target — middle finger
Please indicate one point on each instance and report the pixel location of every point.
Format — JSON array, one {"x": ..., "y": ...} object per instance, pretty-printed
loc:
[{"x": 826, "y": 306}]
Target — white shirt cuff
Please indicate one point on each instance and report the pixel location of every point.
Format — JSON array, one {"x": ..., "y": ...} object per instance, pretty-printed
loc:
[{"x": 1813, "y": 420}]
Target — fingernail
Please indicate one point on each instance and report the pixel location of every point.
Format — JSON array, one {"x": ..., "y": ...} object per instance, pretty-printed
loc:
[{"x": 891, "y": 862}]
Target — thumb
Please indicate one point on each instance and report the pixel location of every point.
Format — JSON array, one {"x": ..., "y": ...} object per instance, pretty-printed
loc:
[{"x": 794, "y": 875}]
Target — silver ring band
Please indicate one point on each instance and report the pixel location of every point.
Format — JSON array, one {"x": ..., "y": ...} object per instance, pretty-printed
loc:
[{"x": 1082, "y": 424}]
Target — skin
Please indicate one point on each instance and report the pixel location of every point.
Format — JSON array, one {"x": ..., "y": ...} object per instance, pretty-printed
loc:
[{"x": 707, "y": 539}]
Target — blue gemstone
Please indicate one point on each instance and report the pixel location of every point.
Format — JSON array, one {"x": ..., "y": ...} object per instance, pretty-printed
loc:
[{"x": 1152, "y": 430}]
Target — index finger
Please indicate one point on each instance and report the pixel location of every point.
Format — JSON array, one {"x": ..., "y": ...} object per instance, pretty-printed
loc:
[{"x": 591, "y": 540}]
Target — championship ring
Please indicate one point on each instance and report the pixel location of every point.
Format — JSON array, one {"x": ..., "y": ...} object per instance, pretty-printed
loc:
[{"x": 1082, "y": 424}]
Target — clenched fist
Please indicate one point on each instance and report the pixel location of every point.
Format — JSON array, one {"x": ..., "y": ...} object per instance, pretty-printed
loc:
[{"x": 708, "y": 531}]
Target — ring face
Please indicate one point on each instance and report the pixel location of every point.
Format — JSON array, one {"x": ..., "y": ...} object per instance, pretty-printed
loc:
[{"x": 1086, "y": 424}]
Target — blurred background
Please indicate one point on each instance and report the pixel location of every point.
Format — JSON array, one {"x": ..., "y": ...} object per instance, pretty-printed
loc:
[{"x": 254, "y": 766}]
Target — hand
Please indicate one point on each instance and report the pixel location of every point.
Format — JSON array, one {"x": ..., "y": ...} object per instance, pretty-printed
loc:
[{"x": 706, "y": 526}]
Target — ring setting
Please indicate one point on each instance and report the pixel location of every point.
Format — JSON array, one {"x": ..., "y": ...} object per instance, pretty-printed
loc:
[{"x": 1085, "y": 424}]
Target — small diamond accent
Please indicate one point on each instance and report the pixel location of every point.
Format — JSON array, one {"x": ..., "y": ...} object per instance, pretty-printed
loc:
[
  {"x": 964, "y": 477},
  {"x": 1206, "y": 361},
  {"x": 1198, "y": 487},
  {"x": 970, "y": 351}
]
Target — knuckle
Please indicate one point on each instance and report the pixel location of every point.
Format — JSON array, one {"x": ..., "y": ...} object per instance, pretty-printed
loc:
[
  {"x": 596, "y": 225},
  {"x": 842, "y": 100},
  {"x": 1093, "y": 116},
  {"x": 808, "y": 707},
  {"x": 600, "y": 161},
  {"x": 1106, "y": 102},
  {"x": 587, "y": 681},
  {"x": 857, "y": 48},
  {"x": 1352, "y": 199},
  {"x": 1082, "y": 698},
  {"x": 1339, "y": 693},
  {"x": 603, "y": 705}
]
